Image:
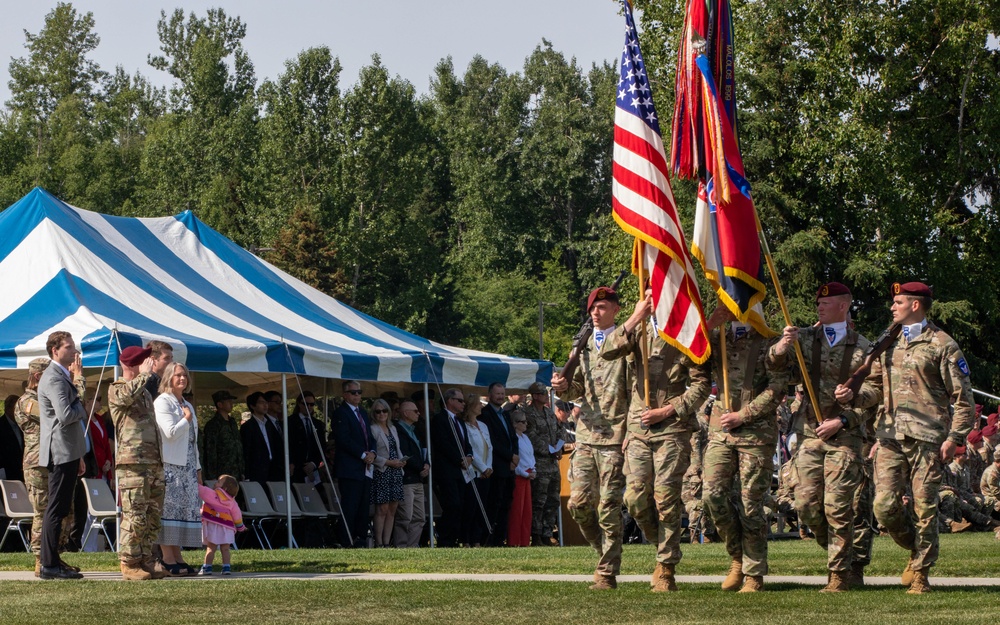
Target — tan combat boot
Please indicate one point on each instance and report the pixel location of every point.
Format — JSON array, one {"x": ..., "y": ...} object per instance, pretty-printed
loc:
[
  {"x": 753, "y": 583},
  {"x": 837, "y": 583},
  {"x": 907, "y": 577},
  {"x": 38, "y": 566},
  {"x": 920, "y": 584},
  {"x": 734, "y": 578},
  {"x": 664, "y": 582},
  {"x": 857, "y": 576},
  {"x": 155, "y": 568},
  {"x": 132, "y": 570},
  {"x": 604, "y": 582},
  {"x": 959, "y": 526},
  {"x": 656, "y": 575}
]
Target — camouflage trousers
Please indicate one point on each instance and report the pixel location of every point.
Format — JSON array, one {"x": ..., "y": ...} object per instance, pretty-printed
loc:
[
  {"x": 597, "y": 485},
  {"x": 829, "y": 477},
  {"x": 654, "y": 472},
  {"x": 740, "y": 521},
  {"x": 36, "y": 482},
  {"x": 142, "y": 488},
  {"x": 952, "y": 507},
  {"x": 864, "y": 516},
  {"x": 545, "y": 499},
  {"x": 915, "y": 466}
]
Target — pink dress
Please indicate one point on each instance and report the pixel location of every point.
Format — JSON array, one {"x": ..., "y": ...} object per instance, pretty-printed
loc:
[{"x": 220, "y": 516}]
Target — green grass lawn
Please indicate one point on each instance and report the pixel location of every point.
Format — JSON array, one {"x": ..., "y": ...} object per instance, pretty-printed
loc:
[
  {"x": 962, "y": 555},
  {"x": 254, "y": 602}
]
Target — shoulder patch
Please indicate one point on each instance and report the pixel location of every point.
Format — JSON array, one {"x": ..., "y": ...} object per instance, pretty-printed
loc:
[{"x": 963, "y": 366}]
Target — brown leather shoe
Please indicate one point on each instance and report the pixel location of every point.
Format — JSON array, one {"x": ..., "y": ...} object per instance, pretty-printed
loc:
[
  {"x": 753, "y": 583},
  {"x": 604, "y": 582},
  {"x": 734, "y": 578},
  {"x": 837, "y": 583},
  {"x": 920, "y": 584},
  {"x": 663, "y": 578},
  {"x": 132, "y": 570}
]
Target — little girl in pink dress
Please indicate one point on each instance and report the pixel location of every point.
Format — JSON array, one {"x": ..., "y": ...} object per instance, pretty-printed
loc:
[{"x": 220, "y": 520}]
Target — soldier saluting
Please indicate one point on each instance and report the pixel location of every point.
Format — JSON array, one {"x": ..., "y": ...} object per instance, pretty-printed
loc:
[{"x": 920, "y": 380}]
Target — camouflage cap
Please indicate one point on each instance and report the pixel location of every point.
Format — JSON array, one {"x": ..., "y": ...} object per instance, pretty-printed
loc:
[
  {"x": 537, "y": 387},
  {"x": 38, "y": 365}
]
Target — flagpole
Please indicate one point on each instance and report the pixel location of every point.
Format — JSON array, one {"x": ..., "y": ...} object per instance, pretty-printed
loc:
[
  {"x": 807, "y": 381},
  {"x": 644, "y": 345},
  {"x": 724, "y": 364}
]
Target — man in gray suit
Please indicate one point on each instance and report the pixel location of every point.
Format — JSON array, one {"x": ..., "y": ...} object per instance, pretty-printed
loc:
[{"x": 62, "y": 443}]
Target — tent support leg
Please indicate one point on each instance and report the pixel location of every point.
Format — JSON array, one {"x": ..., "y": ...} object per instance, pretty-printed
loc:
[{"x": 430, "y": 476}]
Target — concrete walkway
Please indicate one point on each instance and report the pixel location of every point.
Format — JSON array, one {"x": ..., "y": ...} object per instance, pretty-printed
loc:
[{"x": 802, "y": 580}]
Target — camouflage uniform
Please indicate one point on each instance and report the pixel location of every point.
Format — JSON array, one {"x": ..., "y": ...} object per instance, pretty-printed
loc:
[
  {"x": 976, "y": 467},
  {"x": 544, "y": 430},
  {"x": 657, "y": 457},
  {"x": 745, "y": 453},
  {"x": 691, "y": 487},
  {"x": 221, "y": 450},
  {"x": 139, "y": 466},
  {"x": 597, "y": 482},
  {"x": 864, "y": 498},
  {"x": 989, "y": 486},
  {"x": 919, "y": 383},
  {"x": 830, "y": 471},
  {"x": 36, "y": 478}
]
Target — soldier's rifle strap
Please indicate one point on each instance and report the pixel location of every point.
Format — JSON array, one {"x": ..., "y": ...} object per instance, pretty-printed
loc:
[{"x": 845, "y": 364}]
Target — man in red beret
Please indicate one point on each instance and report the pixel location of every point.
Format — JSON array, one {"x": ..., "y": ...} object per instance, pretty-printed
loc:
[
  {"x": 598, "y": 483},
  {"x": 139, "y": 465},
  {"x": 923, "y": 383},
  {"x": 830, "y": 457}
]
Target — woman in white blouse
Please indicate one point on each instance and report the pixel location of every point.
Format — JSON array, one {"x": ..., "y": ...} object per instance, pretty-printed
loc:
[
  {"x": 474, "y": 525},
  {"x": 180, "y": 525},
  {"x": 519, "y": 521}
]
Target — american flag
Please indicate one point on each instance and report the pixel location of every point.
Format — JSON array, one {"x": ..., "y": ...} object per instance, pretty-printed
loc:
[{"x": 644, "y": 206}]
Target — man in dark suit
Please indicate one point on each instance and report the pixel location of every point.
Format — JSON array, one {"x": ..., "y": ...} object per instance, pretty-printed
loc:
[
  {"x": 451, "y": 455},
  {"x": 11, "y": 443},
  {"x": 305, "y": 455},
  {"x": 263, "y": 451},
  {"x": 355, "y": 455},
  {"x": 505, "y": 458},
  {"x": 62, "y": 443}
]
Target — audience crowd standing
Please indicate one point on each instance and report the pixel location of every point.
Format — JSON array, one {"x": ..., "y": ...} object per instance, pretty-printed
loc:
[{"x": 495, "y": 459}]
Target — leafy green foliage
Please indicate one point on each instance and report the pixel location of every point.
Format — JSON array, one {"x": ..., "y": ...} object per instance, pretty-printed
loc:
[{"x": 869, "y": 133}]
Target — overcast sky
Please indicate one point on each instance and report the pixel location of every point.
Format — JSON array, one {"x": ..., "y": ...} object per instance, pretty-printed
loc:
[{"x": 410, "y": 35}]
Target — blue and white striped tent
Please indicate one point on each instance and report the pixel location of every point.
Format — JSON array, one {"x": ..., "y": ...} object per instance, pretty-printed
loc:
[{"x": 119, "y": 281}]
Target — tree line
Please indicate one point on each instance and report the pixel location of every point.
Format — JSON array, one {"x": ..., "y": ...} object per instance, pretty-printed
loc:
[{"x": 868, "y": 129}]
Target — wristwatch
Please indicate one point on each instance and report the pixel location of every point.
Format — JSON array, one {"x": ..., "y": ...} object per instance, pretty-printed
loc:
[{"x": 843, "y": 420}]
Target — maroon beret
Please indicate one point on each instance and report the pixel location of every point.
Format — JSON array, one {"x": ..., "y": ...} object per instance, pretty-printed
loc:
[
  {"x": 989, "y": 430},
  {"x": 960, "y": 450},
  {"x": 975, "y": 436},
  {"x": 601, "y": 293},
  {"x": 992, "y": 419},
  {"x": 831, "y": 289},
  {"x": 918, "y": 289},
  {"x": 134, "y": 356}
]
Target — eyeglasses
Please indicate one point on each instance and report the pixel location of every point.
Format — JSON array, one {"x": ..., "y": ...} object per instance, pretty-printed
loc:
[
  {"x": 355, "y": 392},
  {"x": 458, "y": 399},
  {"x": 380, "y": 411}
]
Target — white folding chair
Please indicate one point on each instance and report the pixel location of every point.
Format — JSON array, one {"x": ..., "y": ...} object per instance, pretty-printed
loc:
[
  {"x": 17, "y": 507},
  {"x": 101, "y": 508},
  {"x": 281, "y": 505}
]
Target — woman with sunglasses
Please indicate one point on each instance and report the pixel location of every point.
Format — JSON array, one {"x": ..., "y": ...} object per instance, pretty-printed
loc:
[{"x": 387, "y": 484}]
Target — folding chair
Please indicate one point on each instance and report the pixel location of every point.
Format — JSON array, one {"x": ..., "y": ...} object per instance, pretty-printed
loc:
[
  {"x": 17, "y": 507},
  {"x": 310, "y": 502},
  {"x": 101, "y": 508},
  {"x": 281, "y": 506},
  {"x": 257, "y": 510}
]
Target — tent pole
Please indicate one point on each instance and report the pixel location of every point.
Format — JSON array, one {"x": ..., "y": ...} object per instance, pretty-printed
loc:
[
  {"x": 118, "y": 491},
  {"x": 326, "y": 411},
  {"x": 430, "y": 476},
  {"x": 288, "y": 475}
]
